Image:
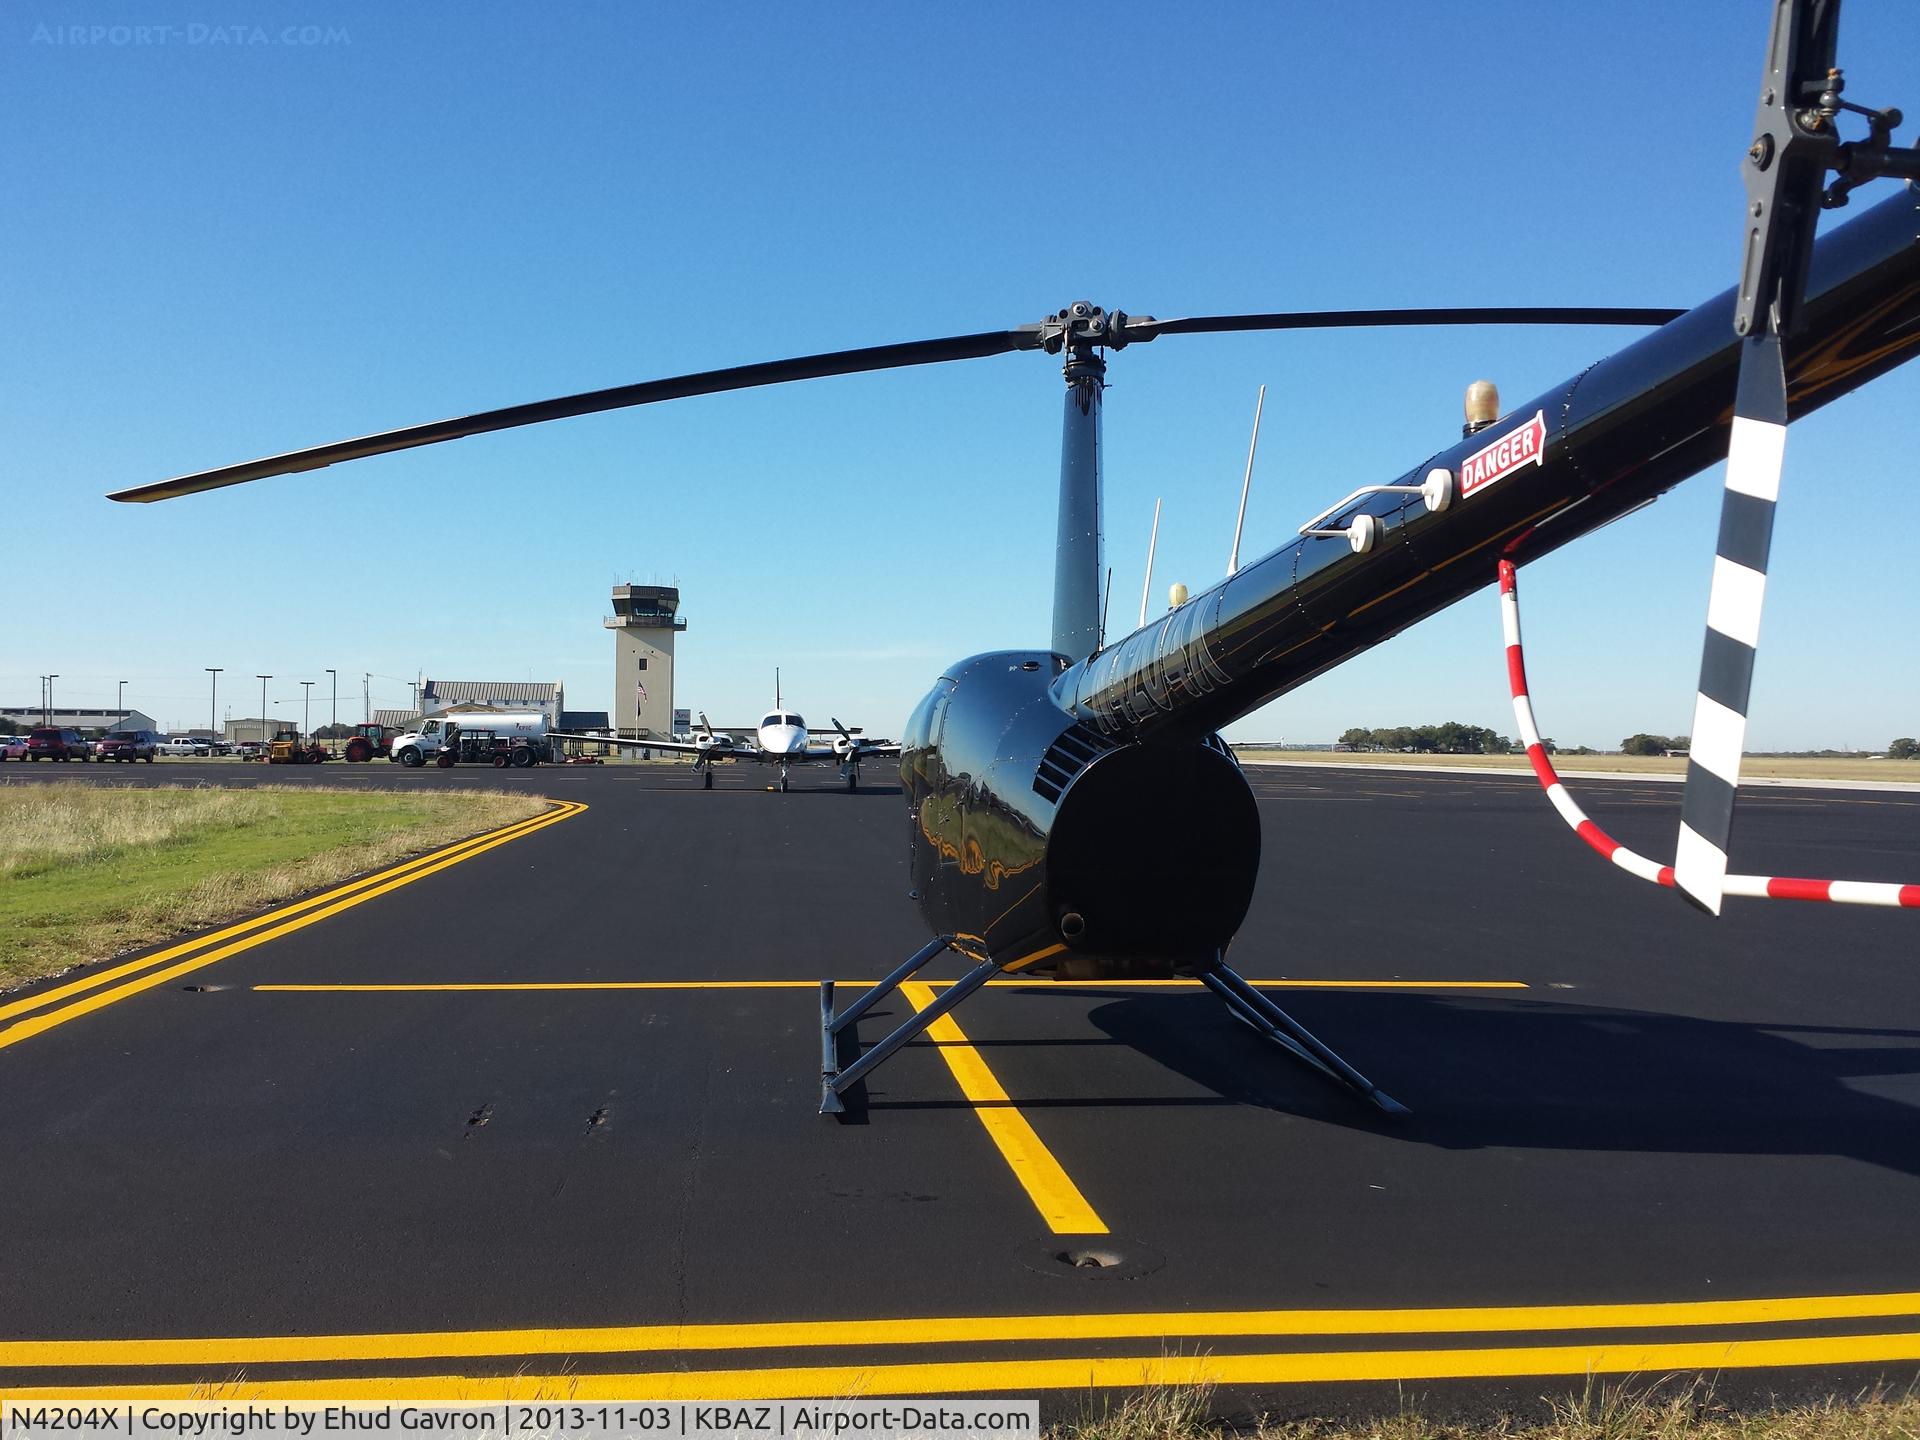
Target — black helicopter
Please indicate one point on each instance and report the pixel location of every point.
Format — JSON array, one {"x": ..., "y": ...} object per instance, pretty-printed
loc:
[{"x": 1073, "y": 812}]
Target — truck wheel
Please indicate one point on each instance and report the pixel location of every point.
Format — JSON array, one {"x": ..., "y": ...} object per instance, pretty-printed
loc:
[
  {"x": 499, "y": 762},
  {"x": 444, "y": 760},
  {"x": 358, "y": 749},
  {"x": 523, "y": 758},
  {"x": 410, "y": 757}
]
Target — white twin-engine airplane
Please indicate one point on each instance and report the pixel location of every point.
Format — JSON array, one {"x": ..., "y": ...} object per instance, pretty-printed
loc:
[{"x": 779, "y": 739}]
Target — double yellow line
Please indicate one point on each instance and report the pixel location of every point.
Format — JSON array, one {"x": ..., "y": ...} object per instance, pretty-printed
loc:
[
  {"x": 72, "y": 1000},
  {"x": 1733, "y": 1347}
]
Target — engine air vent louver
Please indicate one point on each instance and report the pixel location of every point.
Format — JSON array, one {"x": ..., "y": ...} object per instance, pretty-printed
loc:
[{"x": 1066, "y": 758}]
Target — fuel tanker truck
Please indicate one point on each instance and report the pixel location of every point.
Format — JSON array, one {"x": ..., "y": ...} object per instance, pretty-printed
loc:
[{"x": 519, "y": 735}]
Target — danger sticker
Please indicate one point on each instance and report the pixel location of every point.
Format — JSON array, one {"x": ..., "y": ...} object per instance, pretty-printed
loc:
[{"x": 1525, "y": 446}]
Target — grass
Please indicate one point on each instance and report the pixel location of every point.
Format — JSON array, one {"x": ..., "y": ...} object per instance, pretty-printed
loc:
[
  {"x": 1602, "y": 1413},
  {"x": 1775, "y": 767},
  {"x": 89, "y": 870}
]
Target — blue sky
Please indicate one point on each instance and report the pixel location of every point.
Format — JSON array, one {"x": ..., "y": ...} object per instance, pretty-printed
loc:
[{"x": 255, "y": 226}]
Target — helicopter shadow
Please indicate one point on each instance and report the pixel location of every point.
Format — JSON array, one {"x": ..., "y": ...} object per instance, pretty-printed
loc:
[{"x": 1485, "y": 1073}]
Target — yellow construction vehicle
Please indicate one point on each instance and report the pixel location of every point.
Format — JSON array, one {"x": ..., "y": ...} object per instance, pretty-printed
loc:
[{"x": 286, "y": 749}]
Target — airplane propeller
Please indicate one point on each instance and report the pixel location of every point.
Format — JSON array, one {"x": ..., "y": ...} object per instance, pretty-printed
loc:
[
  {"x": 845, "y": 742},
  {"x": 1077, "y": 326}
]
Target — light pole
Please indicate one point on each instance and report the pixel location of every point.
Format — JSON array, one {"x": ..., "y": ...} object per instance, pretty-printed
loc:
[
  {"x": 213, "y": 696},
  {"x": 265, "y": 733},
  {"x": 306, "y": 710},
  {"x": 50, "y": 680},
  {"x": 43, "y": 699},
  {"x": 120, "y": 702},
  {"x": 334, "y": 724}
]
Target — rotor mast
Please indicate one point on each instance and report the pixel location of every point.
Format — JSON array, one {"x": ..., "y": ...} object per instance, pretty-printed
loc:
[{"x": 1082, "y": 331}]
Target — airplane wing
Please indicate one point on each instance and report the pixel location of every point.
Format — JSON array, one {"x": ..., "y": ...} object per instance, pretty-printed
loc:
[
  {"x": 671, "y": 747},
  {"x": 866, "y": 750}
]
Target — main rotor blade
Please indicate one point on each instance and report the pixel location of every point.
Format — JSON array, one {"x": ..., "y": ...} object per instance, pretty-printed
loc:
[
  {"x": 647, "y": 392},
  {"x": 1145, "y": 329}
]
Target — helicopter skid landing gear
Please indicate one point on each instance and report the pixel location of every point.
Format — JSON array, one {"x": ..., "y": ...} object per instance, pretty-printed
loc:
[
  {"x": 835, "y": 1082},
  {"x": 1256, "y": 1010}
]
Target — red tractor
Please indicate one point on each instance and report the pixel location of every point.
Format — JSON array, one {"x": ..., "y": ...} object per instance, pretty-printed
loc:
[{"x": 369, "y": 742}]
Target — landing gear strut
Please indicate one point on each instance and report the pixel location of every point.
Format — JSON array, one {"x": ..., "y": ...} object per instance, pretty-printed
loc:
[
  {"x": 783, "y": 779},
  {"x": 1246, "y": 1003},
  {"x": 1269, "y": 1020}
]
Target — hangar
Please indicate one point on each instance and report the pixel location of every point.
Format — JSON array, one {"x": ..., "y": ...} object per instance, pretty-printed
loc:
[{"x": 25, "y": 717}]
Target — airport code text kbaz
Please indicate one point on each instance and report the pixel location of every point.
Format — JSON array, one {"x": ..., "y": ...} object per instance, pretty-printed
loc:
[{"x": 790, "y": 1418}]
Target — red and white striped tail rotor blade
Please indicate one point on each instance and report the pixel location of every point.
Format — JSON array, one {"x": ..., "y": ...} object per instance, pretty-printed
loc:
[{"x": 1755, "y": 455}]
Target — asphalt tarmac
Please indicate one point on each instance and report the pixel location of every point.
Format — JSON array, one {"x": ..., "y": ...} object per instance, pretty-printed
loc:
[{"x": 538, "y": 1116}]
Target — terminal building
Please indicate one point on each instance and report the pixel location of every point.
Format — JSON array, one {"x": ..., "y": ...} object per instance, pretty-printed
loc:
[{"x": 645, "y": 620}]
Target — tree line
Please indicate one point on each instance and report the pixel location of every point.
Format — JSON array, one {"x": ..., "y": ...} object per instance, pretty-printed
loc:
[
  {"x": 1452, "y": 738},
  {"x": 1654, "y": 744}
]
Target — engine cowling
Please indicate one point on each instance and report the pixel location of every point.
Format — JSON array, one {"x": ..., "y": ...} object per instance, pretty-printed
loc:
[{"x": 1043, "y": 845}]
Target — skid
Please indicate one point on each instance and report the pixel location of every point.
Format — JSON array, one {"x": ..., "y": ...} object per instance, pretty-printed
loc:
[{"x": 1289, "y": 1034}]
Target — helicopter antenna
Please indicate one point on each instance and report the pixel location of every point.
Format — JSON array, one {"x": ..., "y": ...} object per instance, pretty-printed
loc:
[
  {"x": 1146, "y": 587},
  {"x": 1233, "y": 559}
]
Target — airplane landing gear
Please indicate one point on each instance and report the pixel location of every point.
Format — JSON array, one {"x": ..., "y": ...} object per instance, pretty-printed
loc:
[
  {"x": 706, "y": 779},
  {"x": 783, "y": 779}
]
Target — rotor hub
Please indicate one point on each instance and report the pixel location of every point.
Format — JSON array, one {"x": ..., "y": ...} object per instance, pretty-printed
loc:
[{"x": 1083, "y": 327}]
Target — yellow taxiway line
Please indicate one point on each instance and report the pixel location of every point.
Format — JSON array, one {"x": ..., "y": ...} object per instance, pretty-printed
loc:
[
  {"x": 973, "y": 1377},
  {"x": 41, "y": 999},
  {"x": 1053, "y": 1194},
  {"x": 283, "y": 920},
  {"x": 510, "y": 985},
  {"x": 949, "y": 1330}
]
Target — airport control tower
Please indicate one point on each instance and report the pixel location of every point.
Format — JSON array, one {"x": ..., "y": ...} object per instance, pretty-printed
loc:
[{"x": 644, "y": 621}]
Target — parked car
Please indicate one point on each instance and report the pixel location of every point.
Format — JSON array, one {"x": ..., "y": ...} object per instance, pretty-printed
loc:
[
  {"x": 127, "y": 745},
  {"x": 13, "y": 747},
  {"x": 249, "y": 749},
  {"x": 46, "y": 742},
  {"x": 183, "y": 746}
]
